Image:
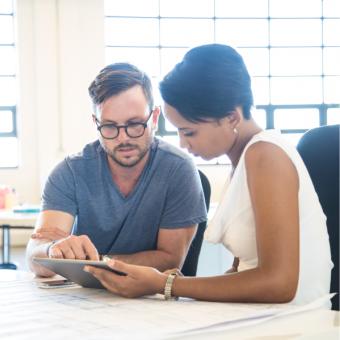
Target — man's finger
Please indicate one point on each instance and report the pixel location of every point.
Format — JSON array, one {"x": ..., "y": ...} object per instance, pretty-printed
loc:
[
  {"x": 52, "y": 229},
  {"x": 50, "y": 233},
  {"x": 89, "y": 249},
  {"x": 55, "y": 253},
  {"x": 78, "y": 249},
  {"x": 46, "y": 234},
  {"x": 66, "y": 250}
]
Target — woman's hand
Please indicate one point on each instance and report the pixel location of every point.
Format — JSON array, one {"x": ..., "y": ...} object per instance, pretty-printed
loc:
[
  {"x": 139, "y": 280},
  {"x": 174, "y": 270}
]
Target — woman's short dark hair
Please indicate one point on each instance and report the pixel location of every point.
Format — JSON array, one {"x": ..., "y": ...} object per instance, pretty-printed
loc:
[
  {"x": 116, "y": 78},
  {"x": 210, "y": 82}
]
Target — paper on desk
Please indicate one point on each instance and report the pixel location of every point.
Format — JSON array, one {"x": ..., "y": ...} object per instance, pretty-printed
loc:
[
  {"x": 281, "y": 311},
  {"x": 27, "y": 312}
]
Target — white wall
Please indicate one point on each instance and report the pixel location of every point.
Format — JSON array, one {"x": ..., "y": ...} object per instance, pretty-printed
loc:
[{"x": 60, "y": 44}]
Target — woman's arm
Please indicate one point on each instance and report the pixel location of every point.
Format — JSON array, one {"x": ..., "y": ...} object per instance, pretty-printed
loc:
[{"x": 273, "y": 186}]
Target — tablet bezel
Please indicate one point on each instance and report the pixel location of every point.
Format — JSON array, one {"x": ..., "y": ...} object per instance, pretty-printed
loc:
[{"x": 74, "y": 270}]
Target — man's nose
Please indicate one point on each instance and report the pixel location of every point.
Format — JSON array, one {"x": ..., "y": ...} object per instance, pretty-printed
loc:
[{"x": 122, "y": 135}]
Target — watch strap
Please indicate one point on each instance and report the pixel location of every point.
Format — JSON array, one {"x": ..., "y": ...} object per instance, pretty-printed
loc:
[{"x": 168, "y": 287}]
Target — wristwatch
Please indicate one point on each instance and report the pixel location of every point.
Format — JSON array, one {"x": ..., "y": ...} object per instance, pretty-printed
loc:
[
  {"x": 168, "y": 287},
  {"x": 49, "y": 247}
]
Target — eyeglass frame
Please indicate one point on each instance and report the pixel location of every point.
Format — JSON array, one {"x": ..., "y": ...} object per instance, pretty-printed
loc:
[{"x": 124, "y": 126}]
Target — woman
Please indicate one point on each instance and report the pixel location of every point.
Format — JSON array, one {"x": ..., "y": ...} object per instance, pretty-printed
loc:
[{"x": 269, "y": 217}]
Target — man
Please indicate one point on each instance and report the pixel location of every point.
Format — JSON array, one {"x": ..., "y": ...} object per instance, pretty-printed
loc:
[{"x": 128, "y": 194}]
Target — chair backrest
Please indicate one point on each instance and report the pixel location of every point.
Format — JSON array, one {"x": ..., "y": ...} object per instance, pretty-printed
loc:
[
  {"x": 319, "y": 149},
  {"x": 190, "y": 264}
]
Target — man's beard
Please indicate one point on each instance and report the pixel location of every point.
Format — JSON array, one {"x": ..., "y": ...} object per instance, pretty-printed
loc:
[{"x": 128, "y": 162}]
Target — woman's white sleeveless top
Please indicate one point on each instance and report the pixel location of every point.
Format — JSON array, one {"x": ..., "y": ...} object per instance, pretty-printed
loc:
[{"x": 234, "y": 225}]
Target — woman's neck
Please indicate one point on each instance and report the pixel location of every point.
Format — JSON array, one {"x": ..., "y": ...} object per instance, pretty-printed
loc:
[{"x": 245, "y": 133}]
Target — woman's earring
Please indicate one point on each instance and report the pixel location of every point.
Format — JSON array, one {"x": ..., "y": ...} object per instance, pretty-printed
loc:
[{"x": 235, "y": 131}]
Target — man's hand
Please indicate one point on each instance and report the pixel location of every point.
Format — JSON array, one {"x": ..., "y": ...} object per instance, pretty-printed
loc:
[
  {"x": 74, "y": 247},
  {"x": 50, "y": 233}
]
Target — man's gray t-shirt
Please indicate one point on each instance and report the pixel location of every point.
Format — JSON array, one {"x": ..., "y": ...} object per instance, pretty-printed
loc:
[{"x": 168, "y": 195}]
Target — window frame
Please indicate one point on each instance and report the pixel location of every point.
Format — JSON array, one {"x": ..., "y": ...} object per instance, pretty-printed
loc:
[
  {"x": 271, "y": 19},
  {"x": 11, "y": 108},
  {"x": 14, "y": 132}
]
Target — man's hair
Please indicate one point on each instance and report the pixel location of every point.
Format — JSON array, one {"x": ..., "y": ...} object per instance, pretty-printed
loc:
[
  {"x": 116, "y": 78},
  {"x": 210, "y": 82}
]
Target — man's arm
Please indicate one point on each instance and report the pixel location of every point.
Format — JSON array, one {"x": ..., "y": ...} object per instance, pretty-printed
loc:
[
  {"x": 52, "y": 239},
  {"x": 172, "y": 248},
  {"x": 57, "y": 225}
]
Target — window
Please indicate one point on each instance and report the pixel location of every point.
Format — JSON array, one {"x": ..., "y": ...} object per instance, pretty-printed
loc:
[
  {"x": 291, "y": 48},
  {"x": 8, "y": 126}
]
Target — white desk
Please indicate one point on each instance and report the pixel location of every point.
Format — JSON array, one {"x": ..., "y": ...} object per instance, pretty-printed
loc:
[
  {"x": 77, "y": 313},
  {"x": 10, "y": 220},
  {"x": 8, "y": 275}
]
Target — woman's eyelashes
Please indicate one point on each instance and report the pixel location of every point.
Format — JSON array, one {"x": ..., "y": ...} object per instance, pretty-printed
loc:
[{"x": 188, "y": 133}]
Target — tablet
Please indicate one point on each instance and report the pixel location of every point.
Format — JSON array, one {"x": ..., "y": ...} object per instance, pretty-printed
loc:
[{"x": 74, "y": 270}]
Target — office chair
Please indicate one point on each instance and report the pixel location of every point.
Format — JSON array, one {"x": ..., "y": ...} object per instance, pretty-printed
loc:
[
  {"x": 190, "y": 264},
  {"x": 319, "y": 149}
]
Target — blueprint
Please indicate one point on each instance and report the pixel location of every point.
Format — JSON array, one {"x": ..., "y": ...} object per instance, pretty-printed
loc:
[{"x": 27, "y": 311}]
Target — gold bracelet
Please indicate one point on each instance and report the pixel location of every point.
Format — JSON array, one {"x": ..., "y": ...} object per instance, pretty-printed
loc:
[{"x": 168, "y": 287}]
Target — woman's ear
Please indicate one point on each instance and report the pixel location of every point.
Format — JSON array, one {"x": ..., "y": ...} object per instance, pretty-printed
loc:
[{"x": 234, "y": 118}]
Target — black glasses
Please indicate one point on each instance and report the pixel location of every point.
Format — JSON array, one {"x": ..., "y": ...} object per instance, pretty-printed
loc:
[{"x": 133, "y": 130}]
